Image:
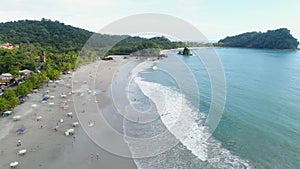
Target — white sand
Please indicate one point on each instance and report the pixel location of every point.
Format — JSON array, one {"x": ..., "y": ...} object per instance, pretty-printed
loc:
[{"x": 49, "y": 149}]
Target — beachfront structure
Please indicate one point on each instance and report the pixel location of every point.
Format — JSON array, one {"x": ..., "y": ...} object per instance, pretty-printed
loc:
[
  {"x": 5, "y": 77},
  {"x": 26, "y": 72},
  {"x": 8, "y": 46},
  {"x": 40, "y": 58}
]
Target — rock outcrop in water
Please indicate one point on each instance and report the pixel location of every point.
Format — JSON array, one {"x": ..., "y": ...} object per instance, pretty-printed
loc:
[{"x": 185, "y": 52}]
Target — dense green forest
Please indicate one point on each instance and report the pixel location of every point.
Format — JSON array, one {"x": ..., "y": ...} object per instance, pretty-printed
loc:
[
  {"x": 133, "y": 44},
  {"x": 272, "y": 39},
  {"x": 49, "y": 47},
  {"x": 56, "y": 37}
]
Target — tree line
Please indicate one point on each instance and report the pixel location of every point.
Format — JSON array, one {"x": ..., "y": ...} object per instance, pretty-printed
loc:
[{"x": 49, "y": 47}]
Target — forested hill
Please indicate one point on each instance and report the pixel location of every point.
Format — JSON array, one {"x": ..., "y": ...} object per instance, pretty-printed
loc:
[
  {"x": 47, "y": 48},
  {"x": 56, "y": 37},
  {"x": 52, "y": 36},
  {"x": 272, "y": 39}
]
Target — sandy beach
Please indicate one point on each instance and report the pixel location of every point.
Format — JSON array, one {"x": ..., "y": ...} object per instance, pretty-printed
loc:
[{"x": 86, "y": 96}]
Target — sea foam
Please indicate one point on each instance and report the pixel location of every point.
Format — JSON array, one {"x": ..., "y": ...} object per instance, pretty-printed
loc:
[{"x": 186, "y": 123}]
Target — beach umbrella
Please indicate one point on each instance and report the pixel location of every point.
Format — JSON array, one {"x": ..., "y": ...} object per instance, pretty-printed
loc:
[
  {"x": 91, "y": 124},
  {"x": 45, "y": 99},
  {"x": 34, "y": 105},
  {"x": 20, "y": 131},
  {"x": 7, "y": 113},
  {"x": 16, "y": 118}
]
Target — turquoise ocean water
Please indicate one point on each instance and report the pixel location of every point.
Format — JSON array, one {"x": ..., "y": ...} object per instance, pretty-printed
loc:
[{"x": 260, "y": 126}]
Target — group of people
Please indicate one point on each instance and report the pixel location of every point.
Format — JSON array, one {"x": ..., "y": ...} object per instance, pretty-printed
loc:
[{"x": 19, "y": 143}]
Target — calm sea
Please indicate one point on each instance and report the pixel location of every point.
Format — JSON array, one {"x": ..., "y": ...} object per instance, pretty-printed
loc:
[{"x": 260, "y": 125}]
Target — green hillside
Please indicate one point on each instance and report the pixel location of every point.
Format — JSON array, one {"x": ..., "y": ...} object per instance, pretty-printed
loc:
[{"x": 272, "y": 39}]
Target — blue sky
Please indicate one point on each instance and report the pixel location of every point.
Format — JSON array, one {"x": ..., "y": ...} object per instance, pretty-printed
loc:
[{"x": 214, "y": 18}]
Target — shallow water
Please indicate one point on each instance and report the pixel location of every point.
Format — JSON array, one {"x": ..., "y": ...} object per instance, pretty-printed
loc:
[{"x": 260, "y": 124}]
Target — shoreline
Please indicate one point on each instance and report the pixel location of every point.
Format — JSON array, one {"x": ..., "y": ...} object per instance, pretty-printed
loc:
[{"x": 47, "y": 148}]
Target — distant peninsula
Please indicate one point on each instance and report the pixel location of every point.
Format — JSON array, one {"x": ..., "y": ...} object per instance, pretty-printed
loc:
[{"x": 272, "y": 39}]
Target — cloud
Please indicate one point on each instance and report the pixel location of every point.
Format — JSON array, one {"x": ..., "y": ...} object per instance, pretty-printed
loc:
[{"x": 214, "y": 19}]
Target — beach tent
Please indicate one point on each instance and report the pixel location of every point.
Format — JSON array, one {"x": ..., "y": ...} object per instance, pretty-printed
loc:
[
  {"x": 66, "y": 107},
  {"x": 13, "y": 164},
  {"x": 6, "y": 113},
  {"x": 20, "y": 130},
  {"x": 55, "y": 128},
  {"x": 22, "y": 152},
  {"x": 69, "y": 114},
  {"x": 69, "y": 132},
  {"x": 38, "y": 118},
  {"x": 75, "y": 124},
  {"x": 16, "y": 118}
]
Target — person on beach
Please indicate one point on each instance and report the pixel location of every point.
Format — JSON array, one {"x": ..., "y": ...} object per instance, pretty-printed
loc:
[
  {"x": 19, "y": 143},
  {"x": 97, "y": 156}
]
